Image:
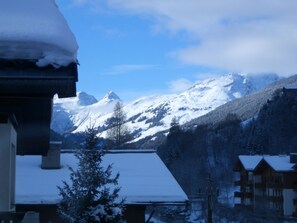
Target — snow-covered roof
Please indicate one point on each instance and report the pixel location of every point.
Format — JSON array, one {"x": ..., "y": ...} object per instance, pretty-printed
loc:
[
  {"x": 278, "y": 163},
  {"x": 143, "y": 179},
  {"x": 35, "y": 30},
  {"x": 250, "y": 162}
]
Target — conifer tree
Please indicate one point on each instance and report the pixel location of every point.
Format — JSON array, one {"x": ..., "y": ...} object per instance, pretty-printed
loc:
[
  {"x": 118, "y": 134},
  {"x": 174, "y": 126},
  {"x": 173, "y": 142},
  {"x": 92, "y": 195}
]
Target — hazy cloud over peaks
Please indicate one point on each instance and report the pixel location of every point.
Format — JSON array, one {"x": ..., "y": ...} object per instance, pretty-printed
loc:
[
  {"x": 237, "y": 36},
  {"x": 179, "y": 85},
  {"x": 247, "y": 36}
]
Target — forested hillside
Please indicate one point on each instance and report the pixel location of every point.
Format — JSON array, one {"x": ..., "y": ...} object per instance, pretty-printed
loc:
[
  {"x": 246, "y": 106},
  {"x": 212, "y": 149}
]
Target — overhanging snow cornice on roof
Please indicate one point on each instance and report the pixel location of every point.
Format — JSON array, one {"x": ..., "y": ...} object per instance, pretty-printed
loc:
[{"x": 36, "y": 29}]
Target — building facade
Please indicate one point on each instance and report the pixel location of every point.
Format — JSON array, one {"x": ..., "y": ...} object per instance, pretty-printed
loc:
[{"x": 267, "y": 182}]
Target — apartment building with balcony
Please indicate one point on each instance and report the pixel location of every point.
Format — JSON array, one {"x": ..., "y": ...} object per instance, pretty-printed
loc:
[{"x": 267, "y": 182}]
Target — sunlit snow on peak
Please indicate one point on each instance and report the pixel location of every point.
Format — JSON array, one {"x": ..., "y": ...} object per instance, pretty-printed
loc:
[{"x": 148, "y": 115}]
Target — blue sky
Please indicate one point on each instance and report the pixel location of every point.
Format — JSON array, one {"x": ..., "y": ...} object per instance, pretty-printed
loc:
[{"x": 144, "y": 47}]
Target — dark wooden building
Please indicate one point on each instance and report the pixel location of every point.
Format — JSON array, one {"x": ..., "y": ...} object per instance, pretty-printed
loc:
[
  {"x": 37, "y": 60},
  {"x": 26, "y": 91},
  {"x": 268, "y": 182}
]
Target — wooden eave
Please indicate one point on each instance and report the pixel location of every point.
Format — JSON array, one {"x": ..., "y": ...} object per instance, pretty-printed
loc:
[
  {"x": 238, "y": 166},
  {"x": 262, "y": 166},
  {"x": 26, "y": 91},
  {"x": 25, "y": 78}
]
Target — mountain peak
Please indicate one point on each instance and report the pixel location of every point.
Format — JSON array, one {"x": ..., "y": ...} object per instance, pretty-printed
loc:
[
  {"x": 111, "y": 96},
  {"x": 85, "y": 99},
  {"x": 149, "y": 115}
]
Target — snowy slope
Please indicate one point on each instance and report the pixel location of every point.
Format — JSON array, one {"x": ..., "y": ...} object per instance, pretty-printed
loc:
[
  {"x": 149, "y": 115},
  {"x": 81, "y": 111},
  {"x": 246, "y": 107}
]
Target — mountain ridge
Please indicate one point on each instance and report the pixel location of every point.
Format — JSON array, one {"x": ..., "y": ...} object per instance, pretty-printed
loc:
[
  {"x": 148, "y": 115},
  {"x": 244, "y": 107}
]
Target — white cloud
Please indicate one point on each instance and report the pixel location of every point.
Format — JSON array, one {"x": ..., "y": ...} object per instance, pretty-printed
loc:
[
  {"x": 207, "y": 75},
  {"x": 179, "y": 85},
  {"x": 109, "y": 32},
  {"x": 128, "y": 68},
  {"x": 246, "y": 36}
]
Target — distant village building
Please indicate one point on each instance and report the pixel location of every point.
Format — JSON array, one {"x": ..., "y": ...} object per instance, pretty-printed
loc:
[
  {"x": 144, "y": 180},
  {"x": 268, "y": 182}
]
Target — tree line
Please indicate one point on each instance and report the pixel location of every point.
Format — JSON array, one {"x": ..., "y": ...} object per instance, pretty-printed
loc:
[
  {"x": 197, "y": 151},
  {"x": 213, "y": 149}
]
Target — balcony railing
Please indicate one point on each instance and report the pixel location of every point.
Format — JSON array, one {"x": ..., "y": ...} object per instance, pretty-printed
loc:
[
  {"x": 243, "y": 183},
  {"x": 11, "y": 217},
  {"x": 238, "y": 183},
  {"x": 276, "y": 198},
  {"x": 275, "y": 185},
  {"x": 295, "y": 186},
  {"x": 244, "y": 206},
  {"x": 243, "y": 194},
  {"x": 19, "y": 217},
  {"x": 260, "y": 185}
]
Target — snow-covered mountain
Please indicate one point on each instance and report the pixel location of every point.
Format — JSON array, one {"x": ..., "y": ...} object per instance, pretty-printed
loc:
[
  {"x": 149, "y": 115},
  {"x": 72, "y": 114}
]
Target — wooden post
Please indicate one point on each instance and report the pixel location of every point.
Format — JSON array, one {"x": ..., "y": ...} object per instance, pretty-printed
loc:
[
  {"x": 209, "y": 200},
  {"x": 8, "y": 138}
]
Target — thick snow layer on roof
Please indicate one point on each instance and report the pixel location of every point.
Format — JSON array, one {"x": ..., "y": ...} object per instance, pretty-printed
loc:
[
  {"x": 143, "y": 179},
  {"x": 277, "y": 163},
  {"x": 35, "y": 30},
  {"x": 250, "y": 162}
]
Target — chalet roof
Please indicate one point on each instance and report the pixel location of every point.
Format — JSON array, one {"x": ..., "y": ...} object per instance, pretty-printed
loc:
[
  {"x": 144, "y": 179},
  {"x": 250, "y": 162},
  {"x": 278, "y": 163},
  {"x": 36, "y": 30}
]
